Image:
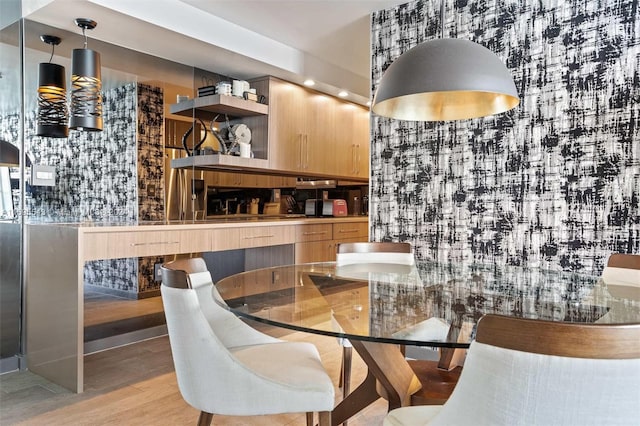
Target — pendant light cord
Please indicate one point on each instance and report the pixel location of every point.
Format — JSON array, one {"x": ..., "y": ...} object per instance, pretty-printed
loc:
[
  {"x": 53, "y": 48},
  {"x": 85, "y": 36}
]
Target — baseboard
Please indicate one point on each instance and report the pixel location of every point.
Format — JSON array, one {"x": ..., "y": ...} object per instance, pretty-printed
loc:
[
  {"x": 8, "y": 365},
  {"x": 124, "y": 339},
  {"x": 121, "y": 293},
  {"x": 111, "y": 291}
]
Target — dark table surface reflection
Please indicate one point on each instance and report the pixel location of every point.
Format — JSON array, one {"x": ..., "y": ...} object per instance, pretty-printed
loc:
[{"x": 431, "y": 304}]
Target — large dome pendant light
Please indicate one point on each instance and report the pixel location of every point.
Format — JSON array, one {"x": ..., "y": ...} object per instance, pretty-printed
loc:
[
  {"x": 52, "y": 96},
  {"x": 445, "y": 79},
  {"x": 86, "y": 85}
]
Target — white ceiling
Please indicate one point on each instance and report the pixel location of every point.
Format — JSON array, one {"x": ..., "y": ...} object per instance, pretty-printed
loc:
[{"x": 327, "y": 40}]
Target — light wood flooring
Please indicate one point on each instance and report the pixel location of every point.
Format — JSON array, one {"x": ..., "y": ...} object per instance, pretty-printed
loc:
[
  {"x": 100, "y": 308},
  {"x": 136, "y": 385}
]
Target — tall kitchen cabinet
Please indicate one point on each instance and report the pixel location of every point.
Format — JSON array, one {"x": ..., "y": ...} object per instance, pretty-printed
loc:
[
  {"x": 300, "y": 127},
  {"x": 313, "y": 134},
  {"x": 351, "y": 153}
]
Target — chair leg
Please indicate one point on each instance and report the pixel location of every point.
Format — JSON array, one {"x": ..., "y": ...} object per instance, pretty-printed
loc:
[
  {"x": 341, "y": 370},
  {"x": 324, "y": 418},
  {"x": 347, "y": 352},
  {"x": 310, "y": 419},
  {"x": 205, "y": 419}
]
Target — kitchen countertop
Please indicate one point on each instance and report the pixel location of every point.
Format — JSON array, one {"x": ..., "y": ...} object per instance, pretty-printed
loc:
[{"x": 240, "y": 220}]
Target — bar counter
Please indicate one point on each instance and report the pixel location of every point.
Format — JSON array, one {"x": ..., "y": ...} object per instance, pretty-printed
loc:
[{"x": 56, "y": 254}]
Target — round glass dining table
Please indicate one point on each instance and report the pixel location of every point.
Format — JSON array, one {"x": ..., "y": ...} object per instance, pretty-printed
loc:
[{"x": 380, "y": 306}]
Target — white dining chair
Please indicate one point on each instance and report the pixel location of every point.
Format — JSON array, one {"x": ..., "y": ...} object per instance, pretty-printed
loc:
[
  {"x": 621, "y": 277},
  {"x": 622, "y": 270},
  {"x": 530, "y": 372},
  {"x": 224, "y": 366},
  {"x": 363, "y": 256}
]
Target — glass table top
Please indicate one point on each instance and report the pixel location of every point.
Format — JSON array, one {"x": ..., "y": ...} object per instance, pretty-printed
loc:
[{"x": 429, "y": 304}]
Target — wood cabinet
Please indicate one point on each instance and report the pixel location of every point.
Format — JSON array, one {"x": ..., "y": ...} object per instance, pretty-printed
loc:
[
  {"x": 287, "y": 117},
  {"x": 108, "y": 245},
  {"x": 244, "y": 180},
  {"x": 266, "y": 236},
  {"x": 361, "y": 143},
  {"x": 319, "y": 139},
  {"x": 350, "y": 230},
  {"x": 234, "y": 180},
  {"x": 314, "y": 243},
  {"x": 313, "y": 134},
  {"x": 248, "y": 237},
  {"x": 300, "y": 130},
  {"x": 315, "y": 251},
  {"x": 318, "y": 243},
  {"x": 351, "y": 147}
]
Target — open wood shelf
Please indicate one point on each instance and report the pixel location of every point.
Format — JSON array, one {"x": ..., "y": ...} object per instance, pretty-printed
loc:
[{"x": 207, "y": 107}]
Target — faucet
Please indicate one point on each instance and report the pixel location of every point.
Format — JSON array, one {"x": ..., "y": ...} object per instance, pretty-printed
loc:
[{"x": 234, "y": 206}]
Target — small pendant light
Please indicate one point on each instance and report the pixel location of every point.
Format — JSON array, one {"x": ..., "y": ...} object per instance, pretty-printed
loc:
[
  {"x": 445, "y": 79},
  {"x": 52, "y": 96},
  {"x": 86, "y": 84}
]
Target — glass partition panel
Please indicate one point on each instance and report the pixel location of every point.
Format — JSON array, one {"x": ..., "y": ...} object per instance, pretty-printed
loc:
[{"x": 11, "y": 191}]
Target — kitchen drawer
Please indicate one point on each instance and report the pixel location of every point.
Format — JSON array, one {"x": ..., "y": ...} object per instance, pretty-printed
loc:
[
  {"x": 315, "y": 251},
  {"x": 351, "y": 230},
  {"x": 225, "y": 239},
  {"x": 193, "y": 241},
  {"x": 317, "y": 232},
  {"x": 266, "y": 236},
  {"x": 111, "y": 245}
]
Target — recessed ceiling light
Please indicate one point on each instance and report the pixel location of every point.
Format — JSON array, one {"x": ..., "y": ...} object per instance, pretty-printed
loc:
[
  {"x": 309, "y": 82},
  {"x": 343, "y": 94}
]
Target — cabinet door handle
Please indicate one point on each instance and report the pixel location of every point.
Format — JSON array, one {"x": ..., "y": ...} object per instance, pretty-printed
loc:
[
  {"x": 251, "y": 237},
  {"x": 300, "y": 147},
  {"x": 306, "y": 151},
  {"x": 353, "y": 158},
  {"x": 358, "y": 159},
  {"x": 314, "y": 233},
  {"x": 154, "y": 243},
  {"x": 348, "y": 231}
]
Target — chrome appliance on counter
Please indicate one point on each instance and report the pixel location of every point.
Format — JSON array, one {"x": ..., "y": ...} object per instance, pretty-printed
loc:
[{"x": 185, "y": 192}]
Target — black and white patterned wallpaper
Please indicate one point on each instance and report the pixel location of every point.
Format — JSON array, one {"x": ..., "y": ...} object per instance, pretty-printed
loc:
[
  {"x": 150, "y": 136},
  {"x": 95, "y": 171},
  {"x": 554, "y": 183}
]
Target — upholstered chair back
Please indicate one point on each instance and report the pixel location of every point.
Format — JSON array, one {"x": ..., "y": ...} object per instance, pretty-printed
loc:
[
  {"x": 223, "y": 365},
  {"x": 529, "y": 372}
]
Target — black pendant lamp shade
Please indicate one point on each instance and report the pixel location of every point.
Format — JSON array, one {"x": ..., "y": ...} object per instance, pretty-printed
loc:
[
  {"x": 445, "y": 79},
  {"x": 86, "y": 85},
  {"x": 52, "y": 97}
]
